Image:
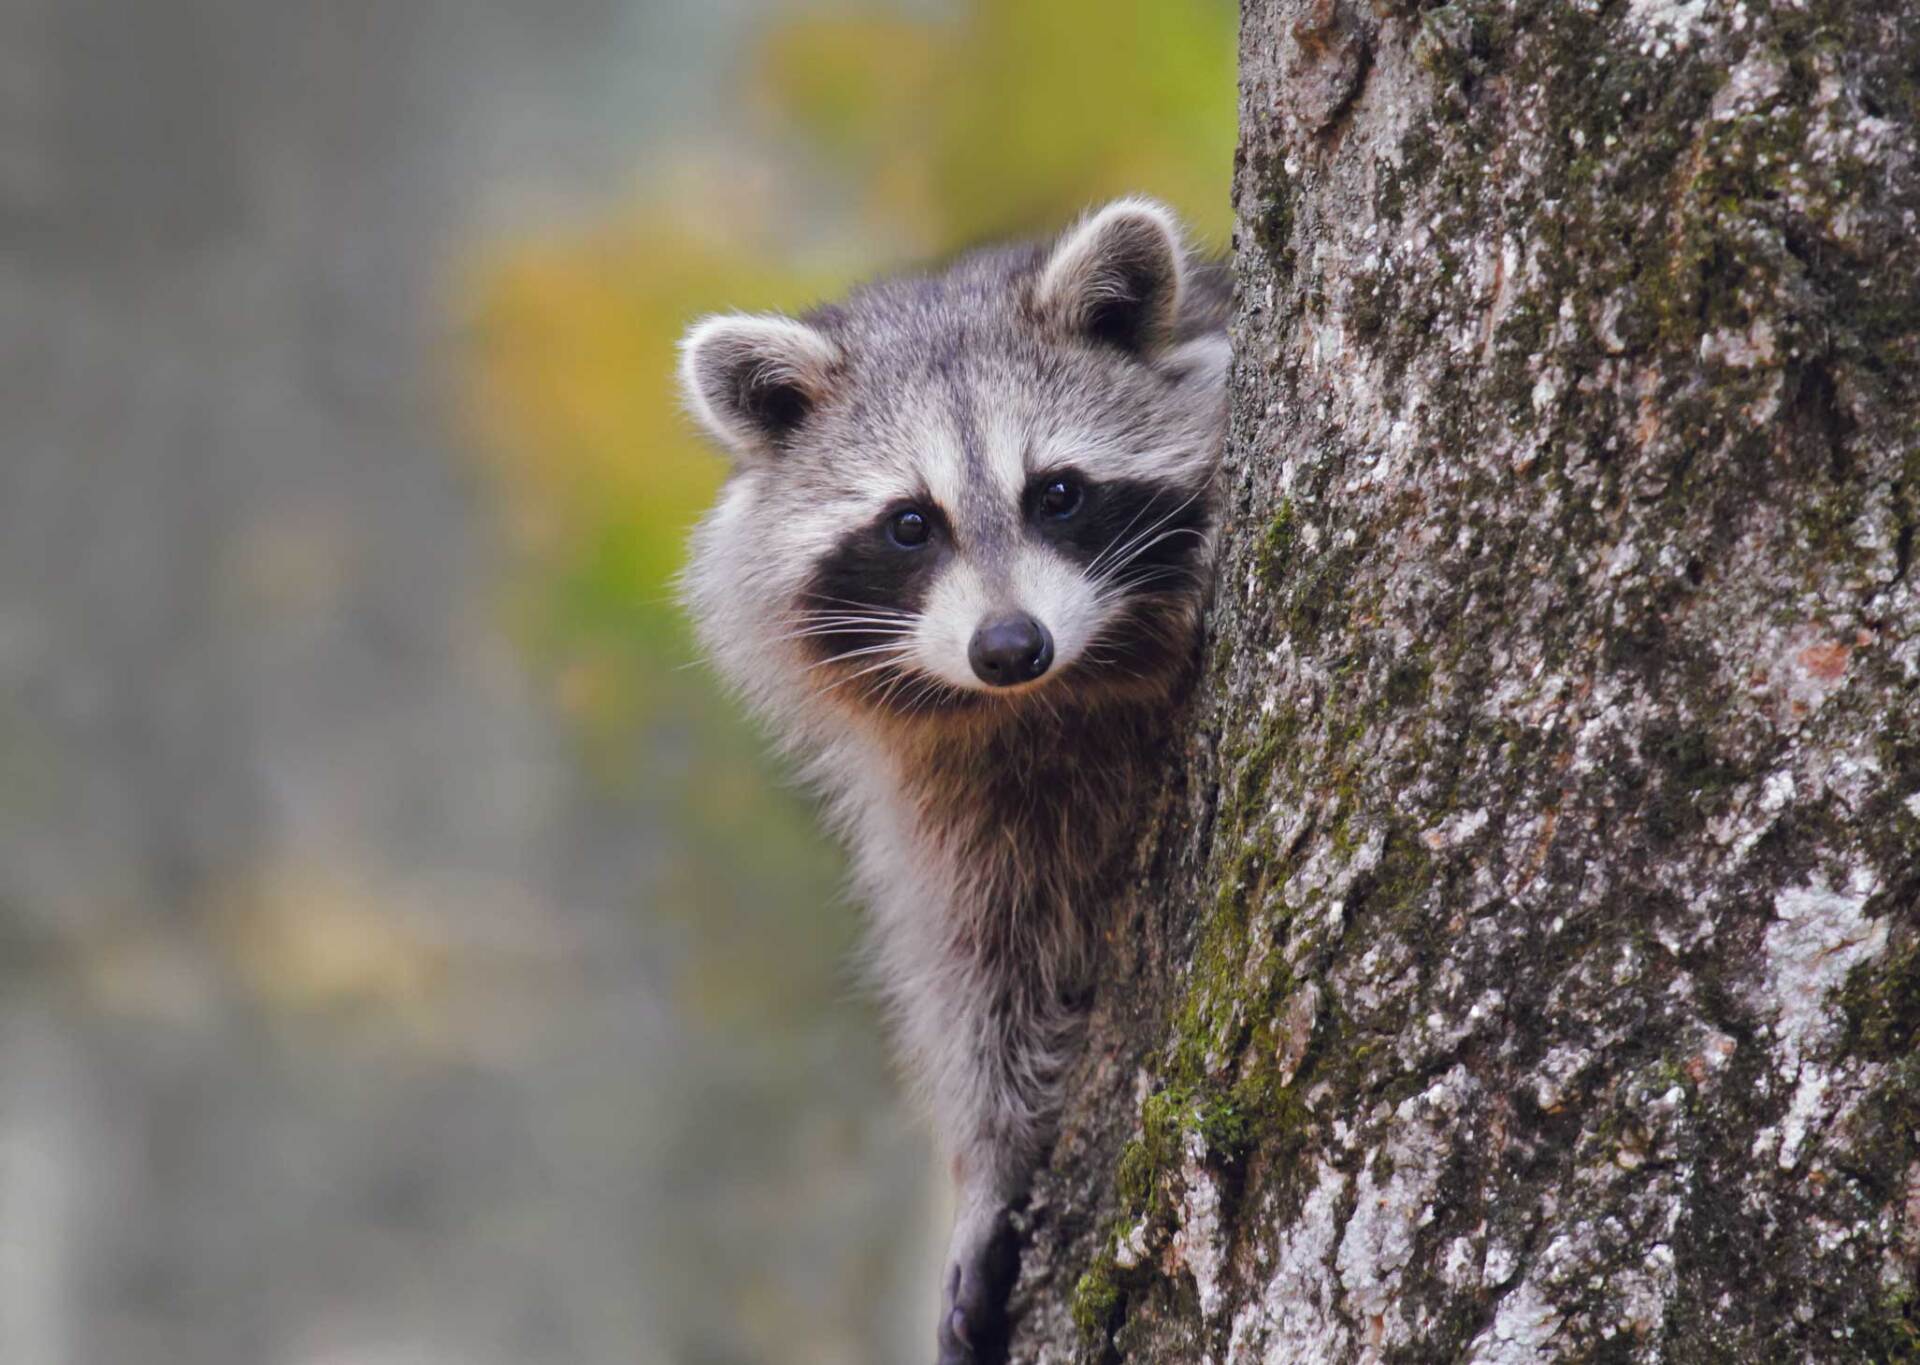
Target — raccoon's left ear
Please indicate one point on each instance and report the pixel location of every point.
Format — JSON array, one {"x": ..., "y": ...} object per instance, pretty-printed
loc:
[
  {"x": 1116, "y": 276},
  {"x": 751, "y": 379}
]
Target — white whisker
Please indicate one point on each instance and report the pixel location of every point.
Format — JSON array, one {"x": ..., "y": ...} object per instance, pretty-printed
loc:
[{"x": 1105, "y": 560}]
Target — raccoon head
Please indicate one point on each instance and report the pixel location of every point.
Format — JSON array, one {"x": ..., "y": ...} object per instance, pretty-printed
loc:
[{"x": 976, "y": 490}]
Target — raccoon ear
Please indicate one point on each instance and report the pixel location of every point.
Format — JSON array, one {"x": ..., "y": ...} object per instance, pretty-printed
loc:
[
  {"x": 751, "y": 379},
  {"x": 1116, "y": 277}
]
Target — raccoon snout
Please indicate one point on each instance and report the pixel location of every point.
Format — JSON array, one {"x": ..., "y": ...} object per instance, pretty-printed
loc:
[{"x": 1013, "y": 649}]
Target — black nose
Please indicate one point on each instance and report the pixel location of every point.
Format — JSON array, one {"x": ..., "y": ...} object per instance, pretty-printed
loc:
[{"x": 1014, "y": 649}]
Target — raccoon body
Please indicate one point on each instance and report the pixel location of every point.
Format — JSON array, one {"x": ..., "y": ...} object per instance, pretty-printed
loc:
[{"x": 959, "y": 568}]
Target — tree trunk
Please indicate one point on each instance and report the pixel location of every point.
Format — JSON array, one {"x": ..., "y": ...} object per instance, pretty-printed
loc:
[{"x": 1524, "y": 963}]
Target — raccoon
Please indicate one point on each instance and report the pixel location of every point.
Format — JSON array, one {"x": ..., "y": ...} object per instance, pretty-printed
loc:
[{"x": 959, "y": 568}]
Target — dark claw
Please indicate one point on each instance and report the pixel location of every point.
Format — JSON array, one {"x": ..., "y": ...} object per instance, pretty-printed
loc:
[
  {"x": 974, "y": 1329},
  {"x": 960, "y": 1332}
]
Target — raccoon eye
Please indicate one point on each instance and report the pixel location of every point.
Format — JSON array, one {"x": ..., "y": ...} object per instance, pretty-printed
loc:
[
  {"x": 909, "y": 529},
  {"x": 1060, "y": 499}
]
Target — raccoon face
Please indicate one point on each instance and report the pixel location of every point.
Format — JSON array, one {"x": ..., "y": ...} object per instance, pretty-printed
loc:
[{"x": 967, "y": 490}]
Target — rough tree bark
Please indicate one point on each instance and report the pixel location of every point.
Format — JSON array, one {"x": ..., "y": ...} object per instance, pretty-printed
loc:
[{"x": 1524, "y": 963}]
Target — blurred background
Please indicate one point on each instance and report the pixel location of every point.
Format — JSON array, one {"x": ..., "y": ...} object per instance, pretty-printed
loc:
[{"x": 405, "y": 954}]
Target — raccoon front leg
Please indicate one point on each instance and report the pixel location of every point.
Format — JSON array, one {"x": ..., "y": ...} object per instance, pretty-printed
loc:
[{"x": 998, "y": 1090}]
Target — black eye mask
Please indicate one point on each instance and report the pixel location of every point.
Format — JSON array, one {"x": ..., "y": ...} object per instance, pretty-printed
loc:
[
  {"x": 1131, "y": 530},
  {"x": 867, "y": 590}
]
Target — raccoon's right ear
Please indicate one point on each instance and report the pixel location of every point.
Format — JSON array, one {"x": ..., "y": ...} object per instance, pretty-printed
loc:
[
  {"x": 1115, "y": 277},
  {"x": 751, "y": 379}
]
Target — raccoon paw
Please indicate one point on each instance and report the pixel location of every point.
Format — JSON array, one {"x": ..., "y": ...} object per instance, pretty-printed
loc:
[{"x": 973, "y": 1322}]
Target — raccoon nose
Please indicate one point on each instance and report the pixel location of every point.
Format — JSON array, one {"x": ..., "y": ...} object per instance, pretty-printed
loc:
[{"x": 1013, "y": 649}]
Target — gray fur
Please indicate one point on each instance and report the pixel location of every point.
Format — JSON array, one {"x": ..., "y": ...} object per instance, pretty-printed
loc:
[{"x": 983, "y": 824}]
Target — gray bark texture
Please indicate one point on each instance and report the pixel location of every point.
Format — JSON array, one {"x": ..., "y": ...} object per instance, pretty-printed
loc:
[{"x": 1522, "y": 960}]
